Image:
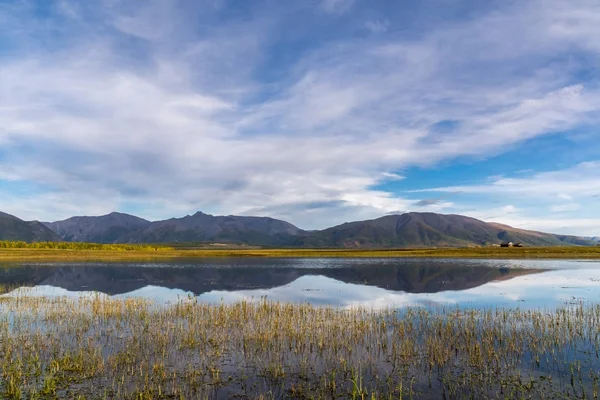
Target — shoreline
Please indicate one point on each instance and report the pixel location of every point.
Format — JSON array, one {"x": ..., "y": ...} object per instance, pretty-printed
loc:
[{"x": 50, "y": 255}]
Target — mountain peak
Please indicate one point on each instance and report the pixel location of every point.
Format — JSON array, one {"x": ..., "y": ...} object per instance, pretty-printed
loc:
[
  {"x": 5, "y": 215},
  {"x": 13, "y": 228},
  {"x": 101, "y": 229}
]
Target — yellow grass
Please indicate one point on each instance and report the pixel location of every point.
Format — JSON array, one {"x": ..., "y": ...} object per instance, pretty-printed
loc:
[
  {"x": 134, "y": 349},
  {"x": 164, "y": 253}
]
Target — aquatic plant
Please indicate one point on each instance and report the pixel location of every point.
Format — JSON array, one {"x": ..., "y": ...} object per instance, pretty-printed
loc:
[{"x": 99, "y": 347}]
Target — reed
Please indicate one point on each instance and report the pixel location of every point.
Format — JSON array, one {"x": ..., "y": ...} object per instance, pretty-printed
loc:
[{"x": 99, "y": 347}]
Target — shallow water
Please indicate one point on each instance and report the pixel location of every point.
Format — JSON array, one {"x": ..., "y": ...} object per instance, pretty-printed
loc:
[
  {"x": 377, "y": 283},
  {"x": 178, "y": 346}
]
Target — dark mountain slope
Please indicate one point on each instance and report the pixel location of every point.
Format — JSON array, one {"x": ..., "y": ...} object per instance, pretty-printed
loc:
[
  {"x": 429, "y": 229},
  {"x": 104, "y": 229},
  {"x": 202, "y": 227},
  {"x": 15, "y": 229},
  {"x": 406, "y": 230}
]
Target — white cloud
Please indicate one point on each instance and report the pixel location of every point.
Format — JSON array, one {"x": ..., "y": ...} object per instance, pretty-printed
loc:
[
  {"x": 389, "y": 176},
  {"x": 67, "y": 8},
  {"x": 536, "y": 199},
  {"x": 530, "y": 218},
  {"x": 336, "y": 6},
  {"x": 509, "y": 209},
  {"x": 565, "y": 226},
  {"x": 377, "y": 25},
  {"x": 495, "y": 214},
  {"x": 182, "y": 119},
  {"x": 565, "y": 207},
  {"x": 580, "y": 180}
]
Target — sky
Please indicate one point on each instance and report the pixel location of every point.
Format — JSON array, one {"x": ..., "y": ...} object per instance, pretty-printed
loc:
[{"x": 317, "y": 112}]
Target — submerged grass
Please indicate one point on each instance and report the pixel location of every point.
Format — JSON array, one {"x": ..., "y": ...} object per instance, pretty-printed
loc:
[
  {"x": 86, "y": 251},
  {"x": 102, "y": 348}
]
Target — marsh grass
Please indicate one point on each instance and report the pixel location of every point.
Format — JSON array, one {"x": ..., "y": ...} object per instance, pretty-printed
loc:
[
  {"x": 102, "y": 348},
  {"x": 80, "y": 246},
  {"x": 48, "y": 251},
  {"x": 68, "y": 251}
]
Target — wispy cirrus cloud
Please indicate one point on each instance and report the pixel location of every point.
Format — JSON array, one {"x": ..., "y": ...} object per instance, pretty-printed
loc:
[
  {"x": 556, "y": 201},
  {"x": 578, "y": 181}
]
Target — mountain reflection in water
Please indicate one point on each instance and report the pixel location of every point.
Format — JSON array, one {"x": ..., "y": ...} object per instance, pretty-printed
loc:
[{"x": 339, "y": 282}]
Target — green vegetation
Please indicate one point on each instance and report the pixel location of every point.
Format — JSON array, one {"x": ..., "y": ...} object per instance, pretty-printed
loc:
[
  {"x": 80, "y": 246},
  {"x": 133, "y": 349},
  {"x": 48, "y": 251}
]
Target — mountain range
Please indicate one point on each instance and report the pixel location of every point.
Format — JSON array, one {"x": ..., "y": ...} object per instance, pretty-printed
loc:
[
  {"x": 202, "y": 227},
  {"x": 405, "y": 230}
]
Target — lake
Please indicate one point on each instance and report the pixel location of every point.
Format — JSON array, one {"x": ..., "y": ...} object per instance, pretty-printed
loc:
[
  {"x": 373, "y": 283},
  {"x": 398, "y": 328}
]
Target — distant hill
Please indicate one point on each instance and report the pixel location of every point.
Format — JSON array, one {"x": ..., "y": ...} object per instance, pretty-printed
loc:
[
  {"x": 430, "y": 229},
  {"x": 405, "y": 230},
  {"x": 15, "y": 229},
  {"x": 202, "y": 227},
  {"x": 104, "y": 229},
  {"x": 576, "y": 240}
]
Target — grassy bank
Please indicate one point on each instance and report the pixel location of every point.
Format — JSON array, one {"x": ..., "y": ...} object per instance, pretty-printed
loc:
[
  {"x": 85, "y": 252},
  {"x": 131, "y": 349},
  {"x": 73, "y": 246}
]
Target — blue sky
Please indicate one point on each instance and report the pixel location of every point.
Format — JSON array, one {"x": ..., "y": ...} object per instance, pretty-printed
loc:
[{"x": 314, "y": 111}]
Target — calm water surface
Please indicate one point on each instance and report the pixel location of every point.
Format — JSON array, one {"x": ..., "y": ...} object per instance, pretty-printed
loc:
[{"x": 337, "y": 282}]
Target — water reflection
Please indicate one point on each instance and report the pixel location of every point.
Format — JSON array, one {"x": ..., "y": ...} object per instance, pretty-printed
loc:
[{"x": 339, "y": 282}]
